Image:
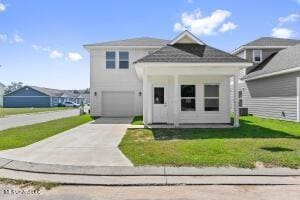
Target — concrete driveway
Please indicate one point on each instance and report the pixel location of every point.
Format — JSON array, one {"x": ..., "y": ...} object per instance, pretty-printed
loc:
[
  {"x": 28, "y": 119},
  {"x": 95, "y": 143}
]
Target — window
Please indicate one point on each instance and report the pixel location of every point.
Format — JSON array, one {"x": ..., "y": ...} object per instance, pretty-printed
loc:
[
  {"x": 159, "y": 96},
  {"x": 110, "y": 60},
  {"x": 257, "y": 55},
  {"x": 188, "y": 97},
  {"x": 123, "y": 60},
  {"x": 240, "y": 99},
  {"x": 211, "y": 97}
]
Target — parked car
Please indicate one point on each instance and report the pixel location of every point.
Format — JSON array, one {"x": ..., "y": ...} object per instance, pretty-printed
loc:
[{"x": 71, "y": 104}]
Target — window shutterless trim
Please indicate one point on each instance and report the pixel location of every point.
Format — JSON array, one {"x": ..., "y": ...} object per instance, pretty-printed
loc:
[
  {"x": 253, "y": 55},
  {"x": 195, "y": 98},
  {"x": 120, "y": 60},
  {"x": 110, "y": 59},
  {"x": 215, "y": 97}
]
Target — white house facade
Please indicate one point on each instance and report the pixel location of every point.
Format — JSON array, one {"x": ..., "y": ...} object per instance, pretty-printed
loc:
[{"x": 183, "y": 81}]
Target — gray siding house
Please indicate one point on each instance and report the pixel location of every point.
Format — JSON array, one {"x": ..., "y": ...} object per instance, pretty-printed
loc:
[
  {"x": 271, "y": 87},
  {"x": 32, "y": 96}
]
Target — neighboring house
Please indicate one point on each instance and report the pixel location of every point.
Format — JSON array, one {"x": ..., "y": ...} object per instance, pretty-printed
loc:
[
  {"x": 32, "y": 96},
  {"x": 270, "y": 88},
  {"x": 179, "y": 81},
  {"x": 1, "y": 94},
  {"x": 85, "y": 97}
]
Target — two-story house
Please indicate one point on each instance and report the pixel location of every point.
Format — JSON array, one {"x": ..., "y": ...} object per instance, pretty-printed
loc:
[
  {"x": 271, "y": 87},
  {"x": 174, "y": 81}
]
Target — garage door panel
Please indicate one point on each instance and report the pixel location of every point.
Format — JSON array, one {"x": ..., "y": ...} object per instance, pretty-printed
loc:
[{"x": 118, "y": 104}]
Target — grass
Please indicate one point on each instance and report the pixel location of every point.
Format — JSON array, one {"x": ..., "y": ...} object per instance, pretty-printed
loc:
[
  {"x": 257, "y": 140},
  {"x": 26, "y": 135},
  {"x": 23, "y": 183},
  {"x": 15, "y": 111},
  {"x": 137, "y": 120}
]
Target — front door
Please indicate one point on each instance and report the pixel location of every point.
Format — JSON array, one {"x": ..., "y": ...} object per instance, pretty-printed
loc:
[{"x": 159, "y": 104}]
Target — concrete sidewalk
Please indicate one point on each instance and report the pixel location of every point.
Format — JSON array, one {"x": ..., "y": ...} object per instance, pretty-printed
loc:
[
  {"x": 117, "y": 175},
  {"x": 33, "y": 118},
  {"x": 89, "y": 170}
]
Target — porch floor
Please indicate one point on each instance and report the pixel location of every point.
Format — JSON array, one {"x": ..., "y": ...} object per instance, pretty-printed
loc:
[{"x": 153, "y": 126}]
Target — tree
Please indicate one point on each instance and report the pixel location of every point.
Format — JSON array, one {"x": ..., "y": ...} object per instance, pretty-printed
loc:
[
  {"x": 76, "y": 92},
  {"x": 87, "y": 91},
  {"x": 13, "y": 86}
]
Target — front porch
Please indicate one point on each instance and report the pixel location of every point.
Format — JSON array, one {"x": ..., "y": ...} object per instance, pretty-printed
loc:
[
  {"x": 188, "y": 82},
  {"x": 194, "y": 100}
]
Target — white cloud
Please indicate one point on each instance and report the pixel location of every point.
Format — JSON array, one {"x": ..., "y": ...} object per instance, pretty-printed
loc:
[
  {"x": 291, "y": 18},
  {"x": 203, "y": 25},
  {"x": 74, "y": 56},
  {"x": 282, "y": 32},
  {"x": 40, "y": 48},
  {"x": 3, "y": 37},
  {"x": 227, "y": 27},
  {"x": 192, "y": 1},
  {"x": 17, "y": 38},
  {"x": 55, "y": 54},
  {"x": 2, "y": 7}
]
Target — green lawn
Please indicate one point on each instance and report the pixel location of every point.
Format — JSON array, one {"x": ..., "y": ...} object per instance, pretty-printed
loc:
[
  {"x": 137, "y": 120},
  {"x": 25, "y": 135},
  {"x": 15, "y": 111},
  {"x": 272, "y": 142}
]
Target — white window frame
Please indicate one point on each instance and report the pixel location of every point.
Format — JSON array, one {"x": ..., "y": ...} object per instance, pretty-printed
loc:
[
  {"x": 115, "y": 60},
  {"x": 189, "y": 97},
  {"x": 204, "y": 97},
  {"x": 123, "y": 59},
  {"x": 253, "y": 55}
]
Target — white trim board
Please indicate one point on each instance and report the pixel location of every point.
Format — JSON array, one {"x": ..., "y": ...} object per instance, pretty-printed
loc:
[
  {"x": 188, "y": 34},
  {"x": 238, "y": 50},
  {"x": 286, "y": 71}
]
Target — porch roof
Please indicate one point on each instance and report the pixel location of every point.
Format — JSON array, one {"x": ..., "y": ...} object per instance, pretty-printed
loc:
[{"x": 190, "y": 53}]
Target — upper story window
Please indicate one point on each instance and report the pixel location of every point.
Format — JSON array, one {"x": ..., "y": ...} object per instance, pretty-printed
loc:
[
  {"x": 211, "y": 97},
  {"x": 123, "y": 60},
  {"x": 188, "y": 97},
  {"x": 257, "y": 55},
  {"x": 110, "y": 60}
]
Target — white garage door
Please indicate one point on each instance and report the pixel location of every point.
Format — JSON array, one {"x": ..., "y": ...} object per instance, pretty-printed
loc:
[{"x": 118, "y": 104}]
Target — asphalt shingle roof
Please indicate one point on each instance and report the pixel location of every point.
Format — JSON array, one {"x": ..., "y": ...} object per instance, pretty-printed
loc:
[
  {"x": 55, "y": 92},
  {"x": 285, "y": 59},
  {"x": 190, "y": 53},
  {"x": 270, "y": 41},
  {"x": 142, "y": 41}
]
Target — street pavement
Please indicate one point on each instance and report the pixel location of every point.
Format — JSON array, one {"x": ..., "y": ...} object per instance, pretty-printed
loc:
[
  {"x": 28, "y": 119},
  {"x": 205, "y": 192}
]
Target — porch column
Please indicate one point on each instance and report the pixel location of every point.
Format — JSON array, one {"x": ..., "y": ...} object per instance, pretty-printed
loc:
[
  {"x": 145, "y": 98},
  {"x": 236, "y": 101},
  {"x": 176, "y": 101}
]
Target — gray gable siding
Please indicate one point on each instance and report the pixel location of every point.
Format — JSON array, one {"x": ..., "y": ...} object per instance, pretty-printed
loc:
[
  {"x": 271, "y": 97},
  {"x": 265, "y": 53},
  {"x": 26, "y": 91}
]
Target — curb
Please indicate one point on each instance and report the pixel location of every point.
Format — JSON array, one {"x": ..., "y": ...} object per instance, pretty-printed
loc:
[{"x": 141, "y": 171}]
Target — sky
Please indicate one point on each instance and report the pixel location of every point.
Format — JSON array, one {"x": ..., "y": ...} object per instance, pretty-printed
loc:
[{"x": 41, "y": 41}]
